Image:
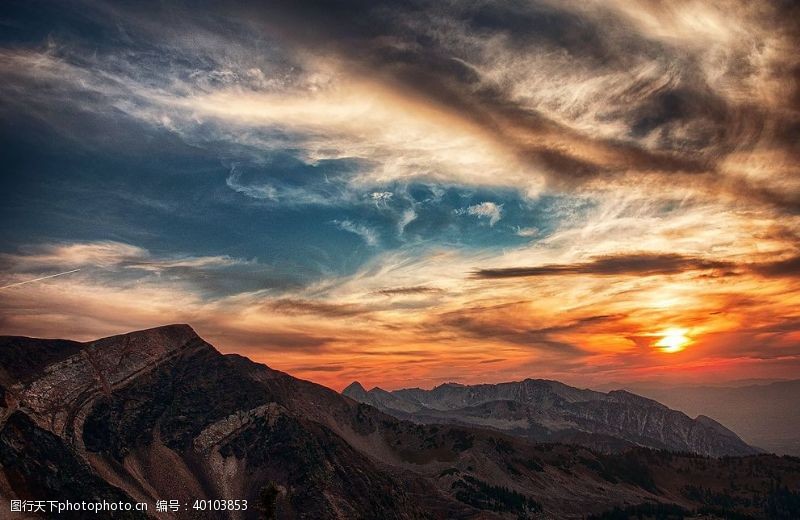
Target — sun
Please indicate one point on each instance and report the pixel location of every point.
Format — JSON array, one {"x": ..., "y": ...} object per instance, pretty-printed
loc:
[{"x": 673, "y": 340}]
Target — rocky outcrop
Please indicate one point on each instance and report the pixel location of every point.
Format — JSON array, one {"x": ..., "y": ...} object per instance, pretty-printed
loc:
[
  {"x": 551, "y": 411},
  {"x": 63, "y": 389}
]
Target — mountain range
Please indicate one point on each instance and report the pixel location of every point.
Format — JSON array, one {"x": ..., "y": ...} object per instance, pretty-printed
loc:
[
  {"x": 160, "y": 414},
  {"x": 765, "y": 414},
  {"x": 549, "y": 411}
]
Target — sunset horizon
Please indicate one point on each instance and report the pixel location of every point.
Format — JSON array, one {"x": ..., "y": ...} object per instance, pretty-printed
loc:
[
  {"x": 586, "y": 192},
  {"x": 401, "y": 260}
]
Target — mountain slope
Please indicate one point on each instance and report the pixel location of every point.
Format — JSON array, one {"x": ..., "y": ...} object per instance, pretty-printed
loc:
[
  {"x": 765, "y": 415},
  {"x": 544, "y": 410},
  {"x": 160, "y": 414}
]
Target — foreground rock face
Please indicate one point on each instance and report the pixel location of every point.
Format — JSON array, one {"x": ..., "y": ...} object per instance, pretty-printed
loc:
[
  {"x": 544, "y": 410},
  {"x": 160, "y": 414}
]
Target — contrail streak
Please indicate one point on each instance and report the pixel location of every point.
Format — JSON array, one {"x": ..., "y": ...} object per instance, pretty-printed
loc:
[{"x": 38, "y": 279}]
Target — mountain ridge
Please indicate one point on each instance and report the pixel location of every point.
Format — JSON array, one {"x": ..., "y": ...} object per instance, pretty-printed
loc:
[
  {"x": 764, "y": 414},
  {"x": 553, "y": 411}
]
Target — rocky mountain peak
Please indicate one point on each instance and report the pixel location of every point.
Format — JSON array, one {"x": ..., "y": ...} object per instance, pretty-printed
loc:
[
  {"x": 623, "y": 396},
  {"x": 169, "y": 336},
  {"x": 71, "y": 372},
  {"x": 355, "y": 390},
  {"x": 449, "y": 384}
]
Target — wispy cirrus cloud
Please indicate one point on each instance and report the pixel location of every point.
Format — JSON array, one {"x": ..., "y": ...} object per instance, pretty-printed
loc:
[
  {"x": 370, "y": 236},
  {"x": 124, "y": 265},
  {"x": 105, "y": 254},
  {"x": 488, "y": 210},
  {"x": 299, "y": 306}
]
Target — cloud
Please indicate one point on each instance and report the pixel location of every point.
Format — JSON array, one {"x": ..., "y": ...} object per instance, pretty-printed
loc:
[
  {"x": 408, "y": 291},
  {"x": 122, "y": 265},
  {"x": 647, "y": 264},
  {"x": 501, "y": 323},
  {"x": 381, "y": 196},
  {"x": 256, "y": 343},
  {"x": 76, "y": 254},
  {"x": 331, "y": 310},
  {"x": 369, "y": 235},
  {"x": 785, "y": 267},
  {"x": 104, "y": 254},
  {"x": 620, "y": 97},
  {"x": 650, "y": 148},
  {"x": 488, "y": 210},
  {"x": 527, "y": 231},
  {"x": 280, "y": 179},
  {"x": 636, "y": 264},
  {"x": 535, "y": 96},
  {"x": 408, "y": 216},
  {"x": 319, "y": 368},
  {"x": 263, "y": 191}
]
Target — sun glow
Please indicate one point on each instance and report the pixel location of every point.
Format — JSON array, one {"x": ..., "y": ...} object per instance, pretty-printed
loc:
[{"x": 673, "y": 340}]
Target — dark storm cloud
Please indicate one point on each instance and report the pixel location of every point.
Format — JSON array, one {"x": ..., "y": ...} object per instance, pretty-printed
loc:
[{"x": 613, "y": 265}]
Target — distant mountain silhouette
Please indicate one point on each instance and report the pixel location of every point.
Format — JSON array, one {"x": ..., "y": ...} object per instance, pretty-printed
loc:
[
  {"x": 543, "y": 410},
  {"x": 160, "y": 414},
  {"x": 766, "y": 415}
]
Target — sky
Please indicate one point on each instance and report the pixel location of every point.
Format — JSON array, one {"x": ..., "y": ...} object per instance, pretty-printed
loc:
[{"x": 413, "y": 192}]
